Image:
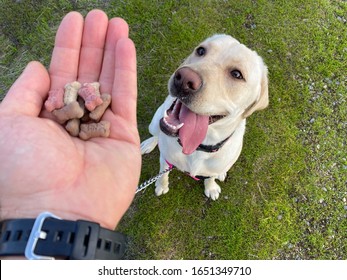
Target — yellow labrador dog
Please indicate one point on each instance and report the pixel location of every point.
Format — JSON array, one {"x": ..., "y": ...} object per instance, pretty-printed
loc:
[{"x": 199, "y": 128}]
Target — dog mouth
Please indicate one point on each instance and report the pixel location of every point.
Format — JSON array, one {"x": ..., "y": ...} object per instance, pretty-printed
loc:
[{"x": 190, "y": 127}]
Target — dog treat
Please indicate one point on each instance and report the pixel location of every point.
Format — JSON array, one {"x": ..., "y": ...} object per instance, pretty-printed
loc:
[
  {"x": 71, "y": 109},
  {"x": 85, "y": 118},
  {"x": 91, "y": 95},
  {"x": 73, "y": 127},
  {"x": 80, "y": 108},
  {"x": 55, "y": 99},
  {"x": 98, "y": 112},
  {"x": 90, "y": 130},
  {"x": 68, "y": 112},
  {"x": 71, "y": 92}
]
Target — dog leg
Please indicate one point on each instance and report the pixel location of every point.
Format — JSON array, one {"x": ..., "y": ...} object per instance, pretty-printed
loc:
[
  {"x": 148, "y": 145},
  {"x": 162, "y": 185},
  {"x": 212, "y": 189}
]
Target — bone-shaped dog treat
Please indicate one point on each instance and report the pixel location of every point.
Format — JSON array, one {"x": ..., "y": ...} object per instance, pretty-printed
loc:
[
  {"x": 73, "y": 127},
  {"x": 68, "y": 112},
  {"x": 55, "y": 99},
  {"x": 98, "y": 112},
  {"x": 90, "y": 130},
  {"x": 81, "y": 107},
  {"x": 71, "y": 110},
  {"x": 91, "y": 95},
  {"x": 71, "y": 92}
]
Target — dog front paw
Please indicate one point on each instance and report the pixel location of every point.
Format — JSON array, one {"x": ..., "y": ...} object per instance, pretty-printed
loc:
[
  {"x": 159, "y": 190},
  {"x": 212, "y": 189},
  {"x": 161, "y": 187}
]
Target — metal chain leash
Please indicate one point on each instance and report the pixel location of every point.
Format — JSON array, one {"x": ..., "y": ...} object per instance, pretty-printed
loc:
[{"x": 153, "y": 179}]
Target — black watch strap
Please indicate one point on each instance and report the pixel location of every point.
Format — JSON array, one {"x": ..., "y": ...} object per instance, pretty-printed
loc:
[{"x": 78, "y": 240}]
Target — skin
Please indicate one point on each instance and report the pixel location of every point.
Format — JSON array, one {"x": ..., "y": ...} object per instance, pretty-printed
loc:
[{"x": 42, "y": 168}]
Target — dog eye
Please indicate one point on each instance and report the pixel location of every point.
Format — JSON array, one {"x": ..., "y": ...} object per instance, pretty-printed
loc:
[
  {"x": 200, "y": 51},
  {"x": 236, "y": 74}
]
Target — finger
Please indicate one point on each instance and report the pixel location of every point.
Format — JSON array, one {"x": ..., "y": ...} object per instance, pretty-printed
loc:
[
  {"x": 27, "y": 94},
  {"x": 117, "y": 28},
  {"x": 65, "y": 58},
  {"x": 93, "y": 41},
  {"x": 124, "y": 93}
]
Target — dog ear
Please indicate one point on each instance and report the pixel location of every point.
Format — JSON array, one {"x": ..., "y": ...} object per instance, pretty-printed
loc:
[{"x": 263, "y": 100}]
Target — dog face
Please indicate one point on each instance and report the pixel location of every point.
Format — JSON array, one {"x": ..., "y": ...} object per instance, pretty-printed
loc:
[
  {"x": 221, "y": 80},
  {"x": 221, "y": 77}
]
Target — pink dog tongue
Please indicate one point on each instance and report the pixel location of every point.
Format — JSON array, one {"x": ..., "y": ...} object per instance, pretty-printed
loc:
[{"x": 193, "y": 131}]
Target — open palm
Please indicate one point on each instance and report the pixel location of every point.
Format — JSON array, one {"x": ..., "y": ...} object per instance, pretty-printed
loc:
[{"x": 42, "y": 168}]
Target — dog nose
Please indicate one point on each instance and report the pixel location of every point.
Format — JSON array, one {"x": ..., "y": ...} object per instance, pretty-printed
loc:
[{"x": 187, "y": 80}]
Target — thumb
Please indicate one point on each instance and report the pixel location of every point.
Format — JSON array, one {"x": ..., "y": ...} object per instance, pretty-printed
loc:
[{"x": 28, "y": 92}]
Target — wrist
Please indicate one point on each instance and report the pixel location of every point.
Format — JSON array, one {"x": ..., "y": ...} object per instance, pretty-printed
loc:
[
  {"x": 28, "y": 213},
  {"x": 65, "y": 205},
  {"x": 22, "y": 207}
]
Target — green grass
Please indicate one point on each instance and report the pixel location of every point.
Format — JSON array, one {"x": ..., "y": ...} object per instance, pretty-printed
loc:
[{"x": 286, "y": 197}]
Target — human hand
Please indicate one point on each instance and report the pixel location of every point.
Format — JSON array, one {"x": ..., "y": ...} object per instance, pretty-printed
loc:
[{"x": 42, "y": 168}]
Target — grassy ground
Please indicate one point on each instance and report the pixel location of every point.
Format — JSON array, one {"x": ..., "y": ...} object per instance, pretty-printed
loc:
[{"x": 286, "y": 196}]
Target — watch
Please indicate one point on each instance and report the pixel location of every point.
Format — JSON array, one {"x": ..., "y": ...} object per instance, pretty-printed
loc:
[{"x": 49, "y": 237}]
